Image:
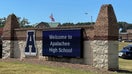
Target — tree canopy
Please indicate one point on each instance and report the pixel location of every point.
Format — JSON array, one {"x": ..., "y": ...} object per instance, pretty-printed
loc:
[
  {"x": 2, "y": 21},
  {"x": 24, "y": 22}
]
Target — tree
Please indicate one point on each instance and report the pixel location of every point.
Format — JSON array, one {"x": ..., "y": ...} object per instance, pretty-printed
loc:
[
  {"x": 28, "y": 26},
  {"x": 68, "y": 24},
  {"x": 85, "y": 23},
  {"x": 123, "y": 25},
  {"x": 129, "y": 26},
  {"x": 80, "y": 23},
  {"x": 2, "y": 21},
  {"x": 24, "y": 22}
]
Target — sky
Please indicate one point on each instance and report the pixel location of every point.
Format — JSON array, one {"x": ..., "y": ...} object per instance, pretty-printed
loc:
[{"x": 64, "y": 11}]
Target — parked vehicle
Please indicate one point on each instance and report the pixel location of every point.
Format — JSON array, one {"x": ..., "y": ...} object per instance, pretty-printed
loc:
[{"x": 126, "y": 52}]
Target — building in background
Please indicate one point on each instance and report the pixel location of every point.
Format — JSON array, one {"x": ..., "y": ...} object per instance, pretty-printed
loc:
[
  {"x": 53, "y": 24},
  {"x": 47, "y": 24},
  {"x": 126, "y": 36},
  {"x": 42, "y": 25}
]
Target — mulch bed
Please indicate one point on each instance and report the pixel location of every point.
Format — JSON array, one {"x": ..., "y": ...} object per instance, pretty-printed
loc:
[{"x": 59, "y": 64}]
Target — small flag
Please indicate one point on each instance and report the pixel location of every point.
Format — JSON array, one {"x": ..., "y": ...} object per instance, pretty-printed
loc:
[{"x": 52, "y": 18}]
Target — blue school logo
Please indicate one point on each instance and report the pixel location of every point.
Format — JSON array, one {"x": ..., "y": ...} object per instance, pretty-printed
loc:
[{"x": 30, "y": 49}]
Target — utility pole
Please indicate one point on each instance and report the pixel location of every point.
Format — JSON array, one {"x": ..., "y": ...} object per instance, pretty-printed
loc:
[{"x": 91, "y": 18}]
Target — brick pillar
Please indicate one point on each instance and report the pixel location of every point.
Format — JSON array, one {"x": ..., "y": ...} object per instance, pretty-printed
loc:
[
  {"x": 105, "y": 50},
  {"x": 106, "y": 24},
  {"x": 8, "y": 35}
]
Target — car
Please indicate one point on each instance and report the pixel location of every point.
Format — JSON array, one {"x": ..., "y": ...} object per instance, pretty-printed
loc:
[{"x": 126, "y": 52}]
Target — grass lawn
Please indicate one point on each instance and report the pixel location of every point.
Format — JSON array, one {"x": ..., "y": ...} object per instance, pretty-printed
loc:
[
  {"x": 125, "y": 64},
  {"x": 23, "y": 68}
]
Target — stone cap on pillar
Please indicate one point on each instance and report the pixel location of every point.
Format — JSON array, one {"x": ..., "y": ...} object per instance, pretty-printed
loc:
[{"x": 10, "y": 25}]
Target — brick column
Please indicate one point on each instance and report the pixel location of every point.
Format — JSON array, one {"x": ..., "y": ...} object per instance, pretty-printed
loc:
[
  {"x": 8, "y": 35},
  {"x": 105, "y": 44}
]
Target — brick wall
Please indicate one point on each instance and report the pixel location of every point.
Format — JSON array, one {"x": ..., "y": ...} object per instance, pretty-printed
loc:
[{"x": 100, "y": 40}]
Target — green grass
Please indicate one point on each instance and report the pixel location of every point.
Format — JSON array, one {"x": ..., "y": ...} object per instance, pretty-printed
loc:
[
  {"x": 23, "y": 68},
  {"x": 125, "y": 64}
]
